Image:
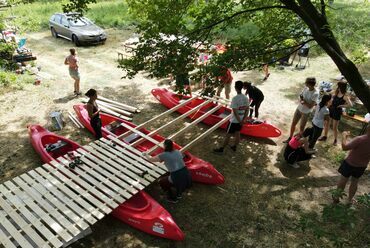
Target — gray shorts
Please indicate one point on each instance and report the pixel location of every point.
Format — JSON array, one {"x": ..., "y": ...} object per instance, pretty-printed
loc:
[{"x": 75, "y": 74}]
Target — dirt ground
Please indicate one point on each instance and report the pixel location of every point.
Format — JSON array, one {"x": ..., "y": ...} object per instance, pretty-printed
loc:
[{"x": 260, "y": 203}]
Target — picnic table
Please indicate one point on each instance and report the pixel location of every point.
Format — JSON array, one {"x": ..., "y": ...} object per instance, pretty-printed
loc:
[{"x": 358, "y": 118}]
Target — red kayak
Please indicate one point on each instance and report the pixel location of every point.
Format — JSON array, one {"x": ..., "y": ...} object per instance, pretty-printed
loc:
[
  {"x": 201, "y": 171},
  {"x": 255, "y": 128},
  {"x": 140, "y": 211}
]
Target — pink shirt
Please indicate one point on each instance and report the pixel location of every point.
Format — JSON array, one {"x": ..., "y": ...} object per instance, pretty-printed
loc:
[
  {"x": 294, "y": 143},
  {"x": 359, "y": 156},
  {"x": 72, "y": 61}
]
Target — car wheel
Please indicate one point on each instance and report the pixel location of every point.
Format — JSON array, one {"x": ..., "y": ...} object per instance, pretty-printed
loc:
[
  {"x": 75, "y": 40},
  {"x": 54, "y": 33}
]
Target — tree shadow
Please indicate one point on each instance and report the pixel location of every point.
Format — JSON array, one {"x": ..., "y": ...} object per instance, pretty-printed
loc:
[{"x": 288, "y": 171}]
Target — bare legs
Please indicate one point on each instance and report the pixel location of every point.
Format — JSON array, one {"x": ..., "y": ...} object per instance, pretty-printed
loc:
[
  {"x": 227, "y": 139},
  {"x": 298, "y": 116},
  {"x": 335, "y": 130},
  {"x": 352, "y": 187},
  {"x": 77, "y": 86},
  {"x": 265, "y": 70}
]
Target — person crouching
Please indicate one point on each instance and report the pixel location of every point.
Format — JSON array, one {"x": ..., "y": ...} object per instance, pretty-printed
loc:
[{"x": 297, "y": 149}]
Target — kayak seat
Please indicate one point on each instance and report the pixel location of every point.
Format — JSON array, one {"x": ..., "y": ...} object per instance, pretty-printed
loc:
[
  {"x": 55, "y": 146},
  {"x": 131, "y": 138}
]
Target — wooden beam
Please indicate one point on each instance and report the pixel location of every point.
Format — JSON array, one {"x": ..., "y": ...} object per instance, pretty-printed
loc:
[
  {"x": 183, "y": 116},
  {"x": 71, "y": 117},
  {"x": 124, "y": 106},
  {"x": 113, "y": 108},
  {"x": 159, "y": 116},
  {"x": 214, "y": 127},
  {"x": 111, "y": 112},
  {"x": 192, "y": 124}
]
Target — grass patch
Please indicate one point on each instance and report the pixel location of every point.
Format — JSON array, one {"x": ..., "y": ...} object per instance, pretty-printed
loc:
[
  {"x": 111, "y": 13},
  {"x": 10, "y": 80}
]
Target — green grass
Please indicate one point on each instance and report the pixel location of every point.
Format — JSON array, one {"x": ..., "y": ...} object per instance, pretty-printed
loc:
[
  {"x": 111, "y": 13},
  {"x": 10, "y": 80}
]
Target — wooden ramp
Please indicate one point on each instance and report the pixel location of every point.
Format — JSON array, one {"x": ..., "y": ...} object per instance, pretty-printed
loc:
[{"x": 52, "y": 205}]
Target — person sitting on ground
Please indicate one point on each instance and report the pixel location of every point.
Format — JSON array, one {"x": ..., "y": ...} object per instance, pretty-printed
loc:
[
  {"x": 355, "y": 164},
  {"x": 297, "y": 149},
  {"x": 255, "y": 95},
  {"x": 93, "y": 111},
  {"x": 321, "y": 116},
  {"x": 225, "y": 79},
  {"x": 340, "y": 100},
  {"x": 179, "y": 177},
  {"x": 240, "y": 107},
  {"x": 307, "y": 100}
]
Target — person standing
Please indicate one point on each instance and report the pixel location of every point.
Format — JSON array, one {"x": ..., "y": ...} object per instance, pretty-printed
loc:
[
  {"x": 179, "y": 177},
  {"x": 321, "y": 116},
  {"x": 225, "y": 79},
  {"x": 355, "y": 163},
  {"x": 255, "y": 95},
  {"x": 340, "y": 101},
  {"x": 240, "y": 109},
  {"x": 307, "y": 100},
  {"x": 72, "y": 62},
  {"x": 93, "y": 111}
]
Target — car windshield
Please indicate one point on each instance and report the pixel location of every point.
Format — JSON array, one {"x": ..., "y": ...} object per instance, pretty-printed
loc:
[{"x": 79, "y": 22}]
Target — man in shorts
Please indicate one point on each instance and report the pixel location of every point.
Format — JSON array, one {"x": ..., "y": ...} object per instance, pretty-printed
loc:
[
  {"x": 355, "y": 164},
  {"x": 307, "y": 100},
  {"x": 240, "y": 107},
  {"x": 225, "y": 79}
]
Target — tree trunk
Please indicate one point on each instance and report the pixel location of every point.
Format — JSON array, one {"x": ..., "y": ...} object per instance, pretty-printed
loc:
[{"x": 325, "y": 38}]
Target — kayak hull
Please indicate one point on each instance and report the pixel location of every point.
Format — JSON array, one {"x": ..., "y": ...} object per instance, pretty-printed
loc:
[
  {"x": 200, "y": 170},
  {"x": 260, "y": 129},
  {"x": 141, "y": 211}
]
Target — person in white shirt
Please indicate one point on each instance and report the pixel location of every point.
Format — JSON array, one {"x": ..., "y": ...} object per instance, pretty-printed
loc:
[
  {"x": 240, "y": 107},
  {"x": 308, "y": 99}
]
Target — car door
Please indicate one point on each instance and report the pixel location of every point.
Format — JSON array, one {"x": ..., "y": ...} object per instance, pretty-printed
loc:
[
  {"x": 64, "y": 27},
  {"x": 56, "y": 23}
]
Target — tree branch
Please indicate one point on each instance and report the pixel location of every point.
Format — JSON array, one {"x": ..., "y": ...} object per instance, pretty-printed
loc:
[
  {"x": 237, "y": 14},
  {"x": 323, "y": 5}
]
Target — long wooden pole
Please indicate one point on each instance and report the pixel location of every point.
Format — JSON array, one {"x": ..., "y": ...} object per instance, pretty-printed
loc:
[
  {"x": 125, "y": 106},
  {"x": 108, "y": 111},
  {"x": 171, "y": 110},
  {"x": 111, "y": 107},
  {"x": 183, "y": 116},
  {"x": 214, "y": 127},
  {"x": 75, "y": 120},
  {"x": 192, "y": 124}
]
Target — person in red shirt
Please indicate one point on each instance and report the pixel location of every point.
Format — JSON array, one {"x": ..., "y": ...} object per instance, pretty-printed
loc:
[
  {"x": 225, "y": 79},
  {"x": 355, "y": 164}
]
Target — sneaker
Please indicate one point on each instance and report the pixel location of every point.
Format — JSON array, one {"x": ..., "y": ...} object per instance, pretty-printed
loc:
[
  {"x": 219, "y": 150},
  {"x": 233, "y": 148},
  {"x": 287, "y": 140},
  {"x": 172, "y": 200},
  {"x": 295, "y": 165},
  {"x": 323, "y": 138}
]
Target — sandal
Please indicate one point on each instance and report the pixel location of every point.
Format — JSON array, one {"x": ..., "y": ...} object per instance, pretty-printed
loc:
[{"x": 323, "y": 138}]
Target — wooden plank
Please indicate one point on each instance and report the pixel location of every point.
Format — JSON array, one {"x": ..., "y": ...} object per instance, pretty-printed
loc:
[
  {"x": 192, "y": 124},
  {"x": 29, "y": 188},
  {"x": 116, "y": 109},
  {"x": 110, "y": 154},
  {"x": 51, "y": 195},
  {"x": 125, "y": 106},
  {"x": 20, "y": 221},
  {"x": 214, "y": 127},
  {"x": 14, "y": 232},
  {"x": 5, "y": 240},
  {"x": 160, "y": 116},
  {"x": 36, "y": 221},
  {"x": 183, "y": 116},
  {"x": 107, "y": 181},
  {"x": 116, "y": 176},
  {"x": 132, "y": 161},
  {"x": 76, "y": 119},
  {"x": 90, "y": 184},
  {"x": 136, "y": 152},
  {"x": 79, "y": 198},
  {"x": 64, "y": 198},
  {"x": 111, "y": 112},
  {"x": 131, "y": 152},
  {"x": 41, "y": 213},
  {"x": 85, "y": 189},
  {"x": 119, "y": 167}
]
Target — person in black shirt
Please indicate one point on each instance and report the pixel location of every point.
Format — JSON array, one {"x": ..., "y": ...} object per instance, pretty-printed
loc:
[
  {"x": 255, "y": 96},
  {"x": 93, "y": 110}
]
